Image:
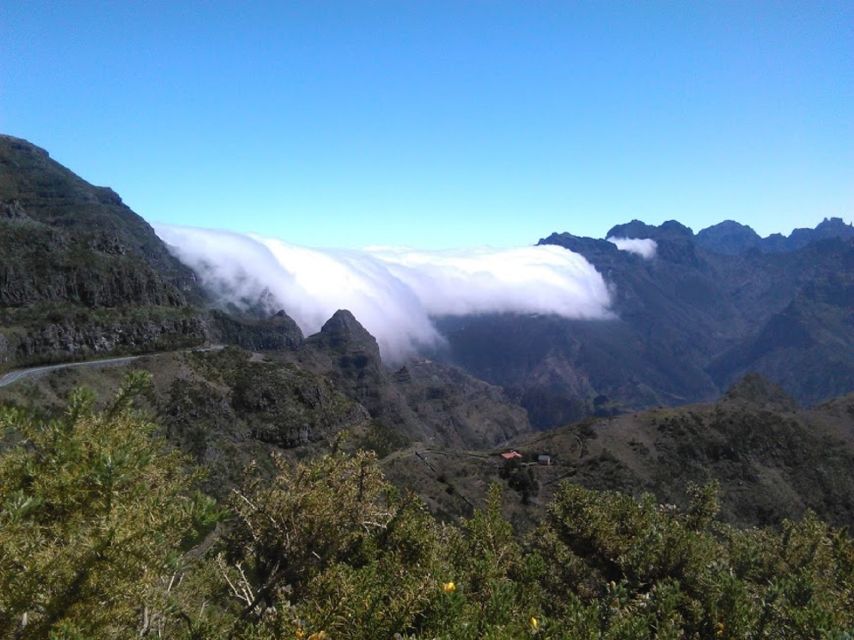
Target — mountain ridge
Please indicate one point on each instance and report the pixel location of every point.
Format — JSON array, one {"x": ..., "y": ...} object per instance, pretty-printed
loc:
[
  {"x": 689, "y": 323},
  {"x": 81, "y": 275}
]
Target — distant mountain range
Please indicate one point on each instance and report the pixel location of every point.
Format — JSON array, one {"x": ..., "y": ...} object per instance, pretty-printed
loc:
[
  {"x": 732, "y": 238},
  {"x": 705, "y": 310},
  {"x": 82, "y": 275}
]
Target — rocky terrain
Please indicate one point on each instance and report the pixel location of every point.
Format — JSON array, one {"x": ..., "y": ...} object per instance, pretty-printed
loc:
[
  {"x": 772, "y": 459},
  {"x": 228, "y": 407},
  {"x": 423, "y": 400},
  {"x": 80, "y": 273},
  {"x": 650, "y": 400},
  {"x": 690, "y": 322}
]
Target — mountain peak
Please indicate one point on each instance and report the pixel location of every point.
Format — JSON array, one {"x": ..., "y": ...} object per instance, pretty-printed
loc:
[
  {"x": 342, "y": 333},
  {"x": 755, "y": 390},
  {"x": 729, "y": 238},
  {"x": 13, "y": 144},
  {"x": 732, "y": 238},
  {"x": 639, "y": 229}
]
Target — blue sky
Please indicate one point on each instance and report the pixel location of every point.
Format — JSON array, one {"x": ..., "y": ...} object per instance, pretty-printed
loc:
[{"x": 440, "y": 124}]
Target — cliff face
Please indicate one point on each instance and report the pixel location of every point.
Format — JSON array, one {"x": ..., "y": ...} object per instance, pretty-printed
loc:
[
  {"x": 80, "y": 273},
  {"x": 423, "y": 401},
  {"x": 82, "y": 336}
]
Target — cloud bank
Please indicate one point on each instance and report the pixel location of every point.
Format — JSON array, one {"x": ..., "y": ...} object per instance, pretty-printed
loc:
[
  {"x": 644, "y": 247},
  {"x": 392, "y": 291}
]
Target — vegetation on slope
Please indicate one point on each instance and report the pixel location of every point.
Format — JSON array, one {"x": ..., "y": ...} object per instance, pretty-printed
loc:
[
  {"x": 80, "y": 273},
  {"x": 103, "y": 535}
]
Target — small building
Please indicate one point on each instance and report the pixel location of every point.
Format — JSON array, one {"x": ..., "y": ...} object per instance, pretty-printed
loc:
[
  {"x": 545, "y": 459},
  {"x": 511, "y": 455}
]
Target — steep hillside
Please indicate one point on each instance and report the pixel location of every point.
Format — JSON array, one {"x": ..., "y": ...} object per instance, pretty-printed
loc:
[
  {"x": 423, "y": 400},
  {"x": 772, "y": 459},
  {"x": 80, "y": 273},
  {"x": 227, "y": 406}
]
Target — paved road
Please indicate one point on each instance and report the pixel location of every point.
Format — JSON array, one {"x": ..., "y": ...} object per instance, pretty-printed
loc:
[{"x": 33, "y": 372}]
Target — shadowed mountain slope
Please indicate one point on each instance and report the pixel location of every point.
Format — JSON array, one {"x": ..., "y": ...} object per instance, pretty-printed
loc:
[
  {"x": 689, "y": 322},
  {"x": 80, "y": 273},
  {"x": 424, "y": 401}
]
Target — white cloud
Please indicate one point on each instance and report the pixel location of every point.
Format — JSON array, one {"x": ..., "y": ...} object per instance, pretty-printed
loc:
[
  {"x": 644, "y": 247},
  {"x": 393, "y": 292}
]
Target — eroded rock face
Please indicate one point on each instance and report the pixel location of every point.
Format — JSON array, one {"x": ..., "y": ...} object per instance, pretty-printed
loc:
[
  {"x": 344, "y": 336},
  {"x": 256, "y": 334},
  {"x": 68, "y": 340},
  {"x": 422, "y": 401},
  {"x": 350, "y": 356},
  {"x": 80, "y": 273},
  {"x": 4, "y": 351}
]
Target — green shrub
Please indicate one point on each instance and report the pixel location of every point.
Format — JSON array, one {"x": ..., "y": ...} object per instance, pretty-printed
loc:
[
  {"x": 101, "y": 536},
  {"x": 93, "y": 513}
]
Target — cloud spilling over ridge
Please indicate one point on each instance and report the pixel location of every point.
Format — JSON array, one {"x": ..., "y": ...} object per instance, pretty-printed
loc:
[
  {"x": 392, "y": 291},
  {"x": 644, "y": 247}
]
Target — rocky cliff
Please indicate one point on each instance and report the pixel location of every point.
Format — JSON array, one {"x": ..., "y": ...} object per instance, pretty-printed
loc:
[{"x": 80, "y": 273}]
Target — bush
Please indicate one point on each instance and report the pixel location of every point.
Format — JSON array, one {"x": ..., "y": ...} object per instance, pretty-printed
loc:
[
  {"x": 93, "y": 512},
  {"x": 102, "y": 536}
]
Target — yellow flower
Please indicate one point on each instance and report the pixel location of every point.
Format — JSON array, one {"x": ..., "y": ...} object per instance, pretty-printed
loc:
[
  {"x": 719, "y": 629},
  {"x": 535, "y": 624},
  {"x": 300, "y": 634},
  {"x": 449, "y": 587}
]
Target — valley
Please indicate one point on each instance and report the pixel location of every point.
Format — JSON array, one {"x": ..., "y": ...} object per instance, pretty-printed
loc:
[
  {"x": 618, "y": 396},
  {"x": 713, "y": 402}
]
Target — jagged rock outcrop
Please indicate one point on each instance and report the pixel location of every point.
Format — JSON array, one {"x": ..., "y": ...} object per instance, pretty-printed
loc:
[
  {"x": 424, "y": 401},
  {"x": 345, "y": 337},
  {"x": 273, "y": 333},
  {"x": 352, "y": 358}
]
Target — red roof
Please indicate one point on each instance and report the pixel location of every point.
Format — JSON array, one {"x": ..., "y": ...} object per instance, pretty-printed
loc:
[{"x": 509, "y": 455}]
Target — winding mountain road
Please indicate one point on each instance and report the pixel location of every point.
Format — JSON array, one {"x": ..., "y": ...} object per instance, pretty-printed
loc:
[{"x": 33, "y": 372}]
